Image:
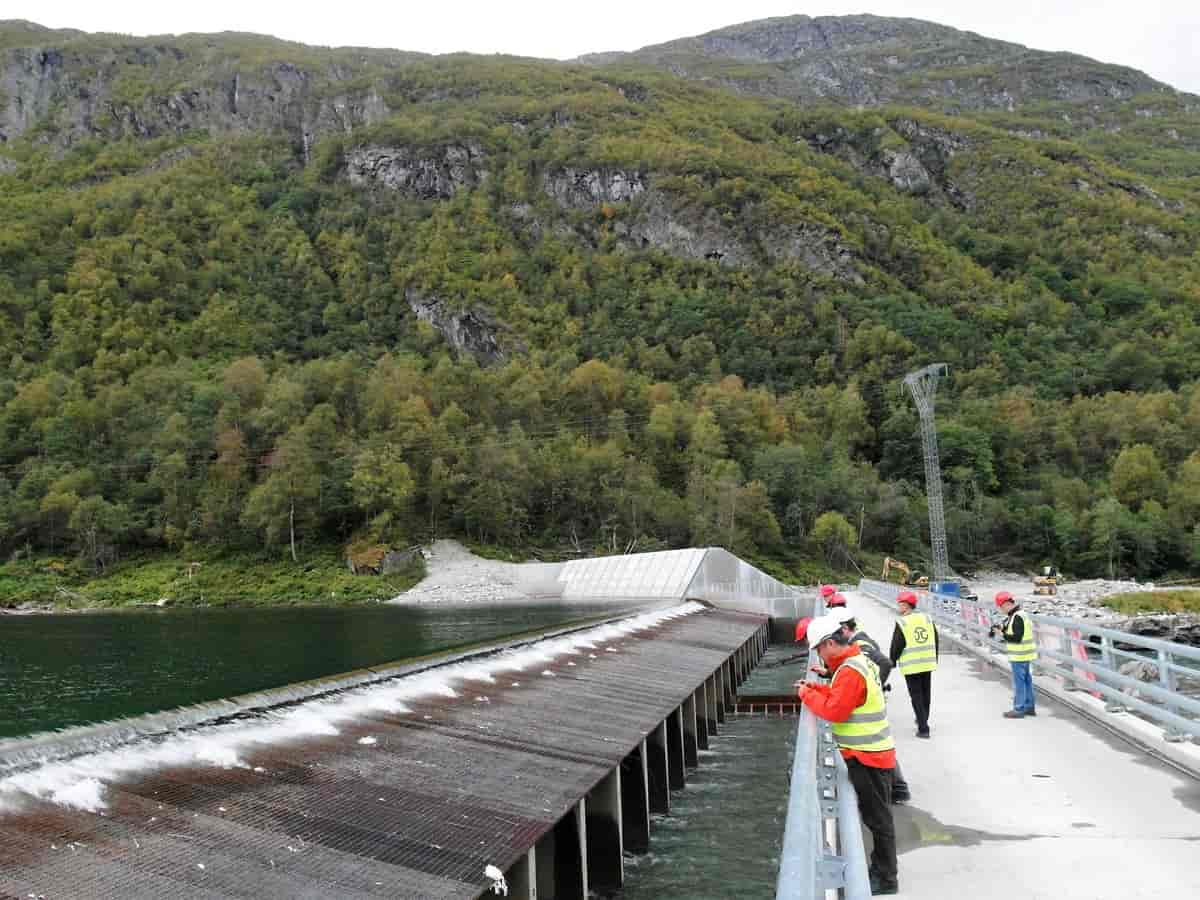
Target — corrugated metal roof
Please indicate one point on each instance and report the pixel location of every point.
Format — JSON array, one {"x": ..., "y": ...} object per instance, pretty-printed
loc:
[{"x": 447, "y": 788}]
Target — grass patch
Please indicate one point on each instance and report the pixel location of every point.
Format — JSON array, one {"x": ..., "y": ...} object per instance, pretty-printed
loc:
[
  {"x": 235, "y": 579},
  {"x": 1176, "y": 601}
]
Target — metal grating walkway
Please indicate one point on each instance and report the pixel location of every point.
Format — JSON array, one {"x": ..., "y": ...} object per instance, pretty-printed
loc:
[{"x": 449, "y": 787}]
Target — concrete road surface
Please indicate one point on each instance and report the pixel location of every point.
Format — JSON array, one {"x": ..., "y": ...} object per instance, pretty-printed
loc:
[{"x": 1053, "y": 807}]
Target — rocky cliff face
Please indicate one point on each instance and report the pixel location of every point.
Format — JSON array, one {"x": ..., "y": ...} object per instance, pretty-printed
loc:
[
  {"x": 469, "y": 331},
  {"x": 436, "y": 174},
  {"x": 653, "y": 217},
  {"x": 62, "y": 91},
  {"x": 870, "y": 60}
]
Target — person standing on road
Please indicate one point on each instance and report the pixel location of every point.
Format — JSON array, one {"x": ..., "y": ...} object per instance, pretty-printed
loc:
[
  {"x": 853, "y": 701},
  {"x": 915, "y": 649},
  {"x": 1021, "y": 647},
  {"x": 867, "y": 645}
]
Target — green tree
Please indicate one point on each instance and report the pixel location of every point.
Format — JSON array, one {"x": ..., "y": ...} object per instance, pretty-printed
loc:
[
  {"x": 835, "y": 536},
  {"x": 382, "y": 484},
  {"x": 1137, "y": 476}
]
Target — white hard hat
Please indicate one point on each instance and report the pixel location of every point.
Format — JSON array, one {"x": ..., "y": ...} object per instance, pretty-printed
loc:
[
  {"x": 843, "y": 615},
  {"x": 821, "y": 628}
]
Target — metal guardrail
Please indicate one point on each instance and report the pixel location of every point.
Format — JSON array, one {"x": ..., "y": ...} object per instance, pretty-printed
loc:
[
  {"x": 823, "y": 848},
  {"x": 1086, "y": 657}
]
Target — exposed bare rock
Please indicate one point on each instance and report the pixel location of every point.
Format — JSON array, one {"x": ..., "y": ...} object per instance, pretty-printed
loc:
[
  {"x": 814, "y": 246},
  {"x": 663, "y": 222},
  {"x": 470, "y": 331},
  {"x": 906, "y": 172},
  {"x": 420, "y": 174},
  {"x": 117, "y": 87},
  {"x": 580, "y": 188}
]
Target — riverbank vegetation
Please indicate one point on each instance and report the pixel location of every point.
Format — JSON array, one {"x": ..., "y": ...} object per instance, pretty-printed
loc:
[
  {"x": 158, "y": 578},
  {"x": 1181, "y": 600}
]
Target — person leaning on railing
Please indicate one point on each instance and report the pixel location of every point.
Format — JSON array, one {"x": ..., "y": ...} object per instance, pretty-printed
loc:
[
  {"x": 853, "y": 701},
  {"x": 1021, "y": 647}
]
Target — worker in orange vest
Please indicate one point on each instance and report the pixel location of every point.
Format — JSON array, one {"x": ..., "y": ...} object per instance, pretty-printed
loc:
[{"x": 853, "y": 701}]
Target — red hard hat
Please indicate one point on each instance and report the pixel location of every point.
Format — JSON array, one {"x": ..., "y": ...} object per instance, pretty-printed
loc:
[
  {"x": 802, "y": 629},
  {"x": 828, "y": 590},
  {"x": 1003, "y": 597},
  {"x": 907, "y": 597},
  {"x": 836, "y": 600}
]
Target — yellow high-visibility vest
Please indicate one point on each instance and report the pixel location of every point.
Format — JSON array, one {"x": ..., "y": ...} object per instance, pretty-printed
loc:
[
  {"x": 1024, "y": 650},
  {"x": 920, "y": 651},
  {"x": 867, "y": 728}
]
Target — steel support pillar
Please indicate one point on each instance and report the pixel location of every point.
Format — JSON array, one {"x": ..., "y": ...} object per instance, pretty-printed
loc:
[
  {"x": 710, "y": 704},
  {"x": 677, "y": 773},
  {"x": 522, "y": 877},
  {"x": 700, "y": 707},
  {"x": 635, "y": 801},
  {"x": 691, "y": 732},
  {"x": 605, "y": 841},
  {"x": 563, "y": 854},
  {"x": 658, "y": 760}
]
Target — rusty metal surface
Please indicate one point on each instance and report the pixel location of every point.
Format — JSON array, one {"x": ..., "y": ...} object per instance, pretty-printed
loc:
[{"x": 447, "y": 788}]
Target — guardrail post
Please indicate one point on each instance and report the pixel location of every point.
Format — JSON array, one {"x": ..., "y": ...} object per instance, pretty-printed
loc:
[
  {"x": 1166, "y": 677},
  {"x": 1065, "y": 645},
  {"x": 1106, "y": 658}
]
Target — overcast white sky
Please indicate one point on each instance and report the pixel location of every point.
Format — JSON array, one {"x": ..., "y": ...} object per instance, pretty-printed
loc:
[{"x": 1160, "y": 37}]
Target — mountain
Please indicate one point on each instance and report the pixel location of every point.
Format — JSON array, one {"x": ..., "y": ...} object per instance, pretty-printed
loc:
[
  {"x": 870, "y": 61},
  {"x": 261, "y": 295}
]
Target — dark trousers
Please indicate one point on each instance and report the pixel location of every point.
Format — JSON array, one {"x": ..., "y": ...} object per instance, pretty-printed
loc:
[
  {"x": 874, "y": 789},
  {"x": 920, "y": 686},
  {"x": 899, "y": 785}
]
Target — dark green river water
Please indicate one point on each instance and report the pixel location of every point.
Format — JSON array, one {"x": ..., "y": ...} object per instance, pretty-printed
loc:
[{"x": 62, "y": 670}]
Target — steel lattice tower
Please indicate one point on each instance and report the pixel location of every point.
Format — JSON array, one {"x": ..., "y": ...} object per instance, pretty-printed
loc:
[{"x": 923, "y": 385}]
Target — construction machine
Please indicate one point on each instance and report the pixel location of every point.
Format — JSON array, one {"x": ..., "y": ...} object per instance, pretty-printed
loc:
[
  {"x": 907, "y": 575},
  {"x": 1047, "y": 582}
]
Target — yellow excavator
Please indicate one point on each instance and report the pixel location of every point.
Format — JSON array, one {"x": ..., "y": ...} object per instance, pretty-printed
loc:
[
  {"x": 907, "y": 575},
  {"x": 1047, "y": 582}
]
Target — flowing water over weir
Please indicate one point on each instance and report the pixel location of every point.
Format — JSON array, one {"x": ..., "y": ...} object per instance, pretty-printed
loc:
[
  {"x": 62, "y": 670},
  {"x": 407, "y": 782}
]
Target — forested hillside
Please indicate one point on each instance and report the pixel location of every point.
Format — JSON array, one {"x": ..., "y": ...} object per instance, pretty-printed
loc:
[{"x": 256, "y": 294}]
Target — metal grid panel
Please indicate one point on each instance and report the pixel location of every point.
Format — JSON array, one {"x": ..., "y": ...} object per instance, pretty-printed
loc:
[{"x": 452, "y": 785}]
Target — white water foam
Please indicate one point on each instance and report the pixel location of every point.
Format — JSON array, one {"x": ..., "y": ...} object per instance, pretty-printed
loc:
[{"x": 79, "y": 782}]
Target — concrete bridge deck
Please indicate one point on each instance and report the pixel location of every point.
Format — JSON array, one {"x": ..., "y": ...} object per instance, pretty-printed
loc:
[
  {"x": 1052, "y": 807},
  {"x": 416, "y": 802}
]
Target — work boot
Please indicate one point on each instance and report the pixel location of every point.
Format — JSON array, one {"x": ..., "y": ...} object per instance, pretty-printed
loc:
[
  {"x": 1014, "y": 714},
  {"x": 881, "y": 887},
  {"x": 922, "y": 732},
  {"x": 901, "y": 796},
  {"x": 1030, "y": 712}
]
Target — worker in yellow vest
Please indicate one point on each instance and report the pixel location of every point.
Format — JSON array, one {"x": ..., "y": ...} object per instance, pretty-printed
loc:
[
  {"x": 1021, "y": 646},
  {"x": 915, "y": 651},
  {"x": 853, "y": 702}
]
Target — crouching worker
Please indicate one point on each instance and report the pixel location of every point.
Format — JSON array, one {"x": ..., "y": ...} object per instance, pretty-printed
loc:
[{"x": 853, "y": 702}]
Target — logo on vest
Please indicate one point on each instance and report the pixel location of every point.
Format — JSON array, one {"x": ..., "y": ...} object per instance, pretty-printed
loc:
[{"x": 921, "y": 633}]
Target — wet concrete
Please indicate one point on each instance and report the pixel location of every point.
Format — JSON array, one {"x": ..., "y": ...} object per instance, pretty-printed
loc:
[{"x": 916, "y": 828}]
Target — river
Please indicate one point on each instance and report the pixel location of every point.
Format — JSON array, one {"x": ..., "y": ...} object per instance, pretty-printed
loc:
[{"x": 58, "y": 671}]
